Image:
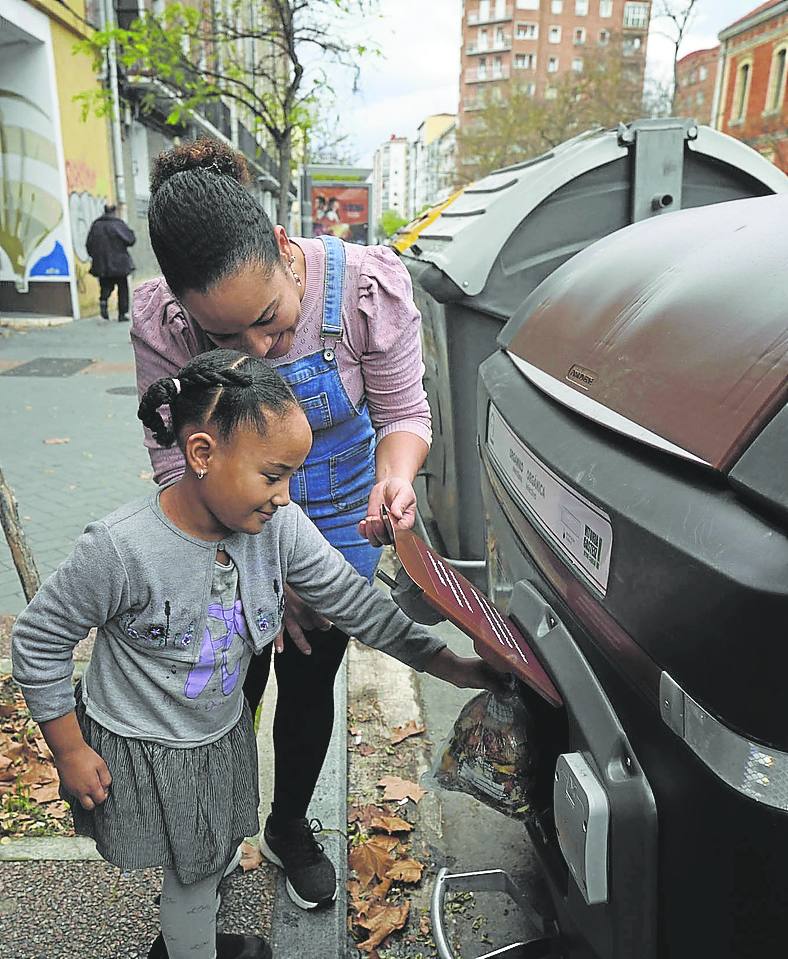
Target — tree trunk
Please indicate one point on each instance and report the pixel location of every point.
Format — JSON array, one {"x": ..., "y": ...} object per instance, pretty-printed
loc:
[
  {"x": 283, "y": 204},
  {"x": 17, "y": 543}
]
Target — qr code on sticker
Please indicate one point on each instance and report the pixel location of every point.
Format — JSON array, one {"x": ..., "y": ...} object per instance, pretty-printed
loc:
[{"x": 592, "y": 547}]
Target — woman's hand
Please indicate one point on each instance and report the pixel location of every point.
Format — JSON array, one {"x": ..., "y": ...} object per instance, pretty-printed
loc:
[
  {"x": 399, "y": 498},
  {"x": 465, "y": 672},
  {"x": 84, "y": 774},
  {"x": 297, "y": 618}
]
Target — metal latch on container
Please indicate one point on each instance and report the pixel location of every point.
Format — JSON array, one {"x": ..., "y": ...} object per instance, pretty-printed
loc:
[{"x": 490, "y": 880}]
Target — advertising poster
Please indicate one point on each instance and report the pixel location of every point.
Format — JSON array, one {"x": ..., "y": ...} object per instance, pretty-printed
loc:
[{"x": 341, "y": 210}]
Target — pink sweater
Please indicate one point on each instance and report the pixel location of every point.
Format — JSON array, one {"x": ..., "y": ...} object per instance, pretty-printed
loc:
[{"x": 379, "y": 357}]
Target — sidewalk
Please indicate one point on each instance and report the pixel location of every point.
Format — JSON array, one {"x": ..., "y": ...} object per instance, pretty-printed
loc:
[{"x": 80, "y": 387}]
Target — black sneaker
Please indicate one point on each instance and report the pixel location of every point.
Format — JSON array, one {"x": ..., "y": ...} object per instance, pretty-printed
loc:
[
  {"x": 228, "y": 946},
  {"x": 311, "y": 877},
  {"x": 104, "y": 312},
  {"x": 123, "y": 318}
]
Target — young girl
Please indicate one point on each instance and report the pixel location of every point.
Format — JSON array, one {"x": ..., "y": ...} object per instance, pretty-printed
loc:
[{"x": 158, "y": 758}]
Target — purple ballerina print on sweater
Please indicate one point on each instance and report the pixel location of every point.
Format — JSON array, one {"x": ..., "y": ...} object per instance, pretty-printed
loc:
[{"x": 201, "y": 673}]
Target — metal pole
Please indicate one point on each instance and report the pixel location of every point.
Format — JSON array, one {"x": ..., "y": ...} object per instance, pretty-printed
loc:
[{"x": 108, "y": 12}]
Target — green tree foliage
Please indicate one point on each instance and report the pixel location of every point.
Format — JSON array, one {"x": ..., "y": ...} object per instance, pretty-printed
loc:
[
  {"x": 512, "y": 126},
  {"x": 269, "y": 57},
  {"x": 390, "y": 221}
]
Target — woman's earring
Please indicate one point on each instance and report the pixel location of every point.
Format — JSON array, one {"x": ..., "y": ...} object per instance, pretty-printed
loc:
[
  {"x": 200, "y": 474},
  {"x": 296, "y": 277}
]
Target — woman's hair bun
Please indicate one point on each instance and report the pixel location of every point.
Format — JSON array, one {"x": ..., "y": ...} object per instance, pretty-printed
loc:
[{"x": 205, "y": 153}]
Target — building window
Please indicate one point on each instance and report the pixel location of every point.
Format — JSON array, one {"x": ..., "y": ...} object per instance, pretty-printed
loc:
[
  {"x": 703, "y": 73},
  {"x": 557, "y": 6},
  {"x": 525, "y": 61},
  {"x": 500, "y": 39},
  {"x": 636, "y": 15},
  {"x": 530, "y": 89},
  {"x": 483, "y": 40},
  {"x": 700, "y": 98},
  {"x": 581, "y": 8},
  {"x": 551, "y": 93},
  {"x": 774, "y": 100},
  {"x": 482, "y": 72},
  {"x": 577, "y": 65},
  {"x": 605, "y": 8},
  {"x": 552, "y": 65},
  {"x": 555, "y": 35},
  {"x": 742, "y": 92},
  {"x": 527, "y": 4},
  {"x": 527, "y": 31},
  {"x": 604, "y": 37},
  {"x": 580, "y": 36},
  {"x": 497, "y": 67},
  {"x": 632, "y": 45}
]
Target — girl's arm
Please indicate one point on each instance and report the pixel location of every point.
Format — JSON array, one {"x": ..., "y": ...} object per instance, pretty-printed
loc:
[{"x": 87, "y": 590}]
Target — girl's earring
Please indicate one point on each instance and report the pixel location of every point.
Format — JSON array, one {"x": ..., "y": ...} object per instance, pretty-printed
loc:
[
  {"x": 296, "y": 277},
  {"x": 200, "y": 474}
]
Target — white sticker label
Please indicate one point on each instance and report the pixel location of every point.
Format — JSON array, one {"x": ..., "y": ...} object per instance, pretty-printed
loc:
[{"x": 575, "y": 527}]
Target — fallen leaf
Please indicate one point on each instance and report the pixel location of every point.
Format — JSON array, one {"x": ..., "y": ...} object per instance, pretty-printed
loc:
[
  {"x": 406, "y": 870},
  {"x": 389, "y": 843},
  {"x": 57, "y": 441},
  {"x": 364, "y": 749},
  {"x": 364, "y": 814},
  {"x": 45, "y": 794},
  {"x": 5, "y": 762},
  {"x": 381, "y": 890},
  {"x": 58, "y": 810},
  {"x": 38, "y": 773},
  {"x": 425, "y": 925},
  {"x": 7, "y": 711},
  {"x": 390, "y": 824},
  {"x": 398, "y": 789},
  {"x": 410, "y": 728},
  {"x": 381, "y": 922},
  {"x": 369, "y": 860},
  {"x": 251, "y": 857}
]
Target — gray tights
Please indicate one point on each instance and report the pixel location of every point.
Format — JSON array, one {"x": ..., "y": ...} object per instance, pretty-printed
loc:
[{"x": 188, "y": 916}]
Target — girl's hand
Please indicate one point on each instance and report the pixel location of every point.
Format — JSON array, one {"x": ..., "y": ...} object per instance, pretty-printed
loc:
[
  {"x": 399, "y": 498},
  {"x": 84, "y": 774},
  {"x": 465, "y": 672}
]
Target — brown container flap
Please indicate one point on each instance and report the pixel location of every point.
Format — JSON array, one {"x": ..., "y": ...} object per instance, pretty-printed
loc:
[
  {"x": 495, "y": 637},
  {"x": 674, "y": 331}
]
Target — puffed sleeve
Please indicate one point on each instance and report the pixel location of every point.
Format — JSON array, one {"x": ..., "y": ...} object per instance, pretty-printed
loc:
[
  {"x": 163, "y": 341},
  {"x": 391, "y": 363}
]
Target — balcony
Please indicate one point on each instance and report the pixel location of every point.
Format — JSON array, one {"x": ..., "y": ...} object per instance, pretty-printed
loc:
[
  {"x": 486, "y": 76},
  {"x": 496, "y": 46},
  {"x": 475, "y": 19}
]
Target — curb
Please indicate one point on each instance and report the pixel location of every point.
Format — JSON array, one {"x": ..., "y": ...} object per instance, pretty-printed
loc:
[
  {"x": 322, "y": 933},
  {"x": 21, "y": 322},
  {"x": 49, "y": 849}
]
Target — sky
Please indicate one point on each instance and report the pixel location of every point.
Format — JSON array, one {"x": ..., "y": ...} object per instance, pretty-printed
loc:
[{"x": 418, "y": 72}]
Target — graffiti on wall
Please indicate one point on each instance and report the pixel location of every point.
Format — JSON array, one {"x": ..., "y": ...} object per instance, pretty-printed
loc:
[
  {"x": 84, "y": 206},
  {"x": 31, "y": 214}
]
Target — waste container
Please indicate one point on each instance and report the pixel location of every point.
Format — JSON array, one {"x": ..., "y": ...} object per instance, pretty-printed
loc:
[
  {"x": 476, "y": 263},
  {"x": 633, "y": 430}
]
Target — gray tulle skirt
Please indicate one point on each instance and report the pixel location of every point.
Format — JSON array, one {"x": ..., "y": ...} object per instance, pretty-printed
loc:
[{"x": 183, "y": 808}]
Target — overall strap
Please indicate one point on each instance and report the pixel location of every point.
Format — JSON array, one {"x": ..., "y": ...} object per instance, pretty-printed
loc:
[{"x": 331, "y": 328}]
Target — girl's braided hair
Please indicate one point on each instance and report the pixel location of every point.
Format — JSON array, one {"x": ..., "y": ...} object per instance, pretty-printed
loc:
[
  {"x": 204, "y": 223},
  {"x": 225, "y": 388}
]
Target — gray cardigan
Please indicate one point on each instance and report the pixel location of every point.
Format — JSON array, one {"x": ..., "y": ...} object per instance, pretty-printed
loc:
[{"x": 146, "y": 585}]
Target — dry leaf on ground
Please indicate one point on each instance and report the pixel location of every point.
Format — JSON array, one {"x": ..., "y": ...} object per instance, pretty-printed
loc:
[
  {"x": 390, "y": 824},
  {"x": 406, "y": 870},
  {"x": 425, "y": 925},
  {"x": 364, "y": 749},
  {"x": 397, "y": 789},
  {"x": 369, "y": 860},
  {"x": 364, "y": 814},
  {"x": 389, "y": 843},
  {"x": 57, "y": 441},
  {"x": 251, "y": 857},
  {"x": 381, "y": 922},
  {"x": 45, "y": 794},
  {"x": 410, "y": 728}
]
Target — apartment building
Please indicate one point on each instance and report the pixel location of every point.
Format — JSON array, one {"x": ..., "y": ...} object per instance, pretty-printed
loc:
[
  {"x": 390, "y": 178},
  {"x": 751, "y": 102},
  {"x": 697, "y": 77},
  {"x": 432, "y": 165},
  {"x": 535, "y": 42}
]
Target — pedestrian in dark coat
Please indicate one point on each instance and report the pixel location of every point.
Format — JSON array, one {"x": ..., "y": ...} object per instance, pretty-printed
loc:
[{"x": 107, "y": 245}]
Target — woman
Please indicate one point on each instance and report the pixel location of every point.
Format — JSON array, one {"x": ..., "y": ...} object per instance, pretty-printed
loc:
[{"x": 339, "y": 323}]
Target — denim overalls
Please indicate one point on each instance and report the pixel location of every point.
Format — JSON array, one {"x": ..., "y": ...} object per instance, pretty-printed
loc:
[{"x": 334, "y": 484}]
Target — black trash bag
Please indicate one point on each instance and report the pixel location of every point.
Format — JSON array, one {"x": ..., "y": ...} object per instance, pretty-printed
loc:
[{"x": 490, "y": 754}]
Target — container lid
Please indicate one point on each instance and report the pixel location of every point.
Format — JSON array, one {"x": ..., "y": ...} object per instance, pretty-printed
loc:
[{"x": 673, "y": 331}]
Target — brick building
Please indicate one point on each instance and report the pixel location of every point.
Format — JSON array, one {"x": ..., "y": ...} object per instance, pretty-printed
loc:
[
  {"x": 697, "y": 77},
  {"x": 534, "y": 42},
  {"x": 750, "y": 100}
]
